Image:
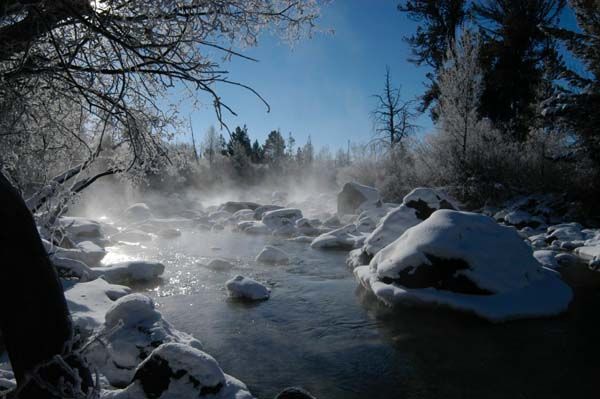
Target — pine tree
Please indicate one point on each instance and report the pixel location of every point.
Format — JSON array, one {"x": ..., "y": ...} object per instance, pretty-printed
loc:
[
  {"x": 274, "y": 148},
  {"x": 439, "y": 22},
  {"x": 515, "y": 54},
  {"x": 239, "y": 136},
  {"x": 257, "y": 152}
]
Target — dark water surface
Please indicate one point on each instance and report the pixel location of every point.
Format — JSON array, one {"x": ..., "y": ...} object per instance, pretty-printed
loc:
[{"x": 322, "y": 332}]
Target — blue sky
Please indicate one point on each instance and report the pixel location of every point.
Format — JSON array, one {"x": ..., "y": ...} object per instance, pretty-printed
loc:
[{"x": 323, "y": 86}]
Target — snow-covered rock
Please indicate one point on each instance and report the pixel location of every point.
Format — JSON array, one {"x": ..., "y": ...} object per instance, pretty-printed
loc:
[
  {"x": 304, "y": 227},
  {"x": 89, "y": 301},
  {"x": 467, "y": 262},
  {"x": 353, "y": 195},
  {"x": 80, "y": 229},
  {"x": 132, "y": 329},
  {"x": 278, "y": 218},
  {"x": 521, "y": 219},
  {"x": 260, "y": 211},
  {"x": 178, "y": 371},
  {"x": 86, "y": 252},
  {"x": 131, "y": 271},
  {"x": 137, "y": 212},
  {"x": 416, "y": 206},
  {"x": 242, "y": 215},
  {"x": 344, "y": 238},
  {"x": 247, "y": 288},
  {"x": 234, "y": 206},
  {"x": 72, "y": 268},
  {"x": 392, "y": 226},
  {"x": 272, "y": 255},
  {"x": 547, "y": 258}
]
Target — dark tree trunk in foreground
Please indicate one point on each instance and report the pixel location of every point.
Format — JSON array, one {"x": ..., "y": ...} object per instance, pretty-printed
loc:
[{"x": 34, "y": 317}]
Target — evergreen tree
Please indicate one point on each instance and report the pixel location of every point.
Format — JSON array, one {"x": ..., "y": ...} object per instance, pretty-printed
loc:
[
  {"x": 515, "y": 56},
  {"x": 439, "y": 22},
  {"x": 274, "y": 148},
  {"x": 239, "y": 136},
  {"x": 308, "y": 152},
  {"x": 257, "y": 153}
]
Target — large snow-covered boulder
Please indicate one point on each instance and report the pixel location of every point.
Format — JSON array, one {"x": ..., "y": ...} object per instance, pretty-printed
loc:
[
  {"x": 178, "y": 371},
  {"x": 353, "y": 195},
  {"x": 272, "y": 255},
  {"x": 131, "y": 271},
  {"x": 86, "y": 252},
  {"x": 467, "y": 262},
  {"x": 132, "y": 329},
  {"x": 246, "y": 288},
  {"x": 137, "y": 212}
]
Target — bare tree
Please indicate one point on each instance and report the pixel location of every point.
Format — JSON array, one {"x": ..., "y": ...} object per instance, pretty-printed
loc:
[{"x": 393, "y": 117}]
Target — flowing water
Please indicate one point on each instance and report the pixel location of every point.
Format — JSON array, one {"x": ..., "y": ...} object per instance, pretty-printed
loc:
[{"x": 320, "y": 331}]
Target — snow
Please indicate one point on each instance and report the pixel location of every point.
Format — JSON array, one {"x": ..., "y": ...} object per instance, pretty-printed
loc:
[
  {"x": 273, "y": 255},
  {"x": 588, "y": 252},
  {"x": 190, "y": 373},
  {"x": 499, "y": 260},
  {"x": 247, "y": 288},
  {"x": 547, "y": 258},
  {"x": 468, "y": 262},
  {"x": 79, "y": 228},
  {"x": 131, "y": 271},
  {"x": 392, "y": 226},
  {"x": 346, "y": 237},
  {"x": 434, "y": 199},
  {"x": 546, "y": 297},
  {"x": 86, "y": 252},
  {"x": 89, "y": 301},
  {"x": 131, "y": 330},
  {"x": 279, "y": 218}
]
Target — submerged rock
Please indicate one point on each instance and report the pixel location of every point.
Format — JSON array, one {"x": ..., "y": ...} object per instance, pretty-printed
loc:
[{"x": 467, "y": 262}]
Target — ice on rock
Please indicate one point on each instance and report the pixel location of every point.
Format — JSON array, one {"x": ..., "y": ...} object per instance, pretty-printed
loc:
[
  {"x": 467, "y": 262},
  {"x": 131, "y": 271},
  {"x": 177, "y": 371},
  {"x": 272, "y": 255},
  {"x": 132, "y": 329},
  {"x": 353, "y": 195},
  {"x": 247, "y": 288},
  {"x": 137, "y": 212}
]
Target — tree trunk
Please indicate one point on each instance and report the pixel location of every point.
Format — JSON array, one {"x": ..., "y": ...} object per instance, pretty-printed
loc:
[{"x": 34, "y": 317}]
